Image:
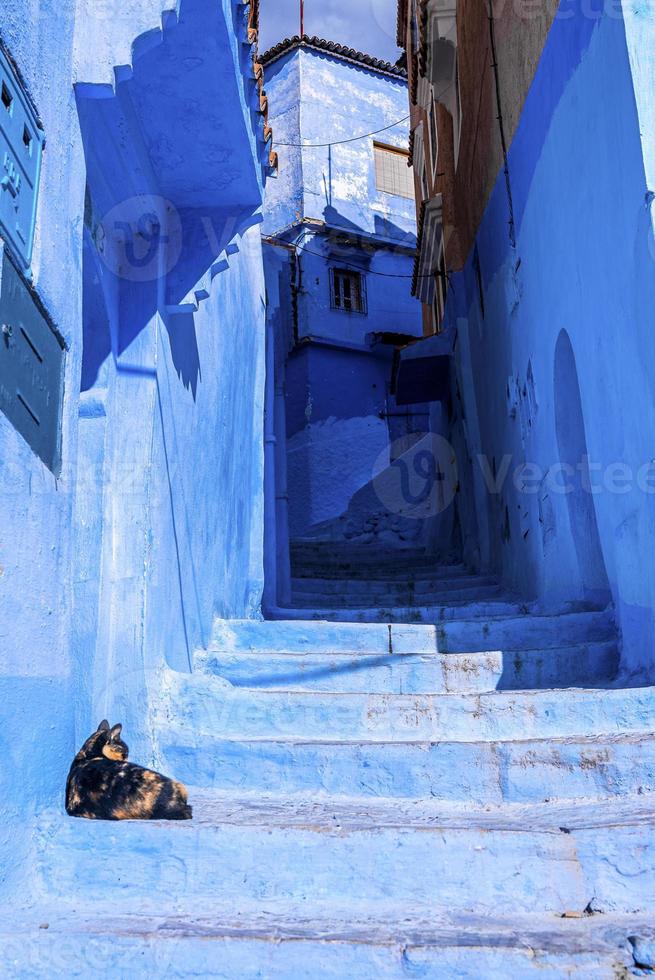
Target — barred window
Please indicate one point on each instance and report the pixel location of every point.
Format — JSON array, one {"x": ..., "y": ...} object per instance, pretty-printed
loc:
[
  {"x": 392, "y": 173},
  {"x": 348, "y": 291}
]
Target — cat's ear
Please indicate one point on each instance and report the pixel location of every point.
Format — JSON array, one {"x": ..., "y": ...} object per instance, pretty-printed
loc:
[
  {"x": 115, "y": 732},
  {"x": 103, "y": 726}
]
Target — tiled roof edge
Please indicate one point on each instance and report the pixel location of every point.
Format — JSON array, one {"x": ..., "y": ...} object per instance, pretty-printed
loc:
[
  {"x": 258, "y": 75},
  {"x": 401, "y": 23},
  {"x": 332, "y": 47}
]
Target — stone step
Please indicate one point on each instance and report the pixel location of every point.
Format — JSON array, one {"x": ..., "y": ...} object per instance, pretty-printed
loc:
[
  {"x": 346, "y": 549},
  {"x": 350, "y": 553},
  {"x": 462, "y": 636},
  {"x": 521, "y": 771},
  {"x": 490, "y": 609},
  {"x": 292, "y": 942},
  {"x": 414, "y": 673},
  {"x": 204, "y": 708},
  {"x": 381, "y": 570},
  {"x": 458, "y": 634},
  {"x": 374, "y": 586},
  {"x": 406, "y": 558},
  {"x": 456, "y": 859},
  {"x": 394, "y": 597},
  {"x": 249, "y": 635},
  {"x": 524, "y": 632}
]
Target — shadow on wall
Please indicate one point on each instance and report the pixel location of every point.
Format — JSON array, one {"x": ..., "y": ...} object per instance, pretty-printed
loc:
[
  {"x": 405, "y": 504},
  {"x": 572, "y": 445},
  {"x": 383, "y": 227},
  {"x": 172, "y": 180},
  {"x": 184, "y": 350}
]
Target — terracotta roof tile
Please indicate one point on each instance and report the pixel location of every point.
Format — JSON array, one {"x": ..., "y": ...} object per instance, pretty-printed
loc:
[
  {"x": 332, "y": 47},
  {"x": 420, "y": 57},
  {"x": 423, "y": 34},
  {"x": 412, "y": 142},
  {"x": 401, "y": 23},
  {"x": 258, "y": 75}
]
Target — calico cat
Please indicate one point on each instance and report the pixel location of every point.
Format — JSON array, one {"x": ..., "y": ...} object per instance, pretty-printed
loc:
[{"x": 103, "y": 785}]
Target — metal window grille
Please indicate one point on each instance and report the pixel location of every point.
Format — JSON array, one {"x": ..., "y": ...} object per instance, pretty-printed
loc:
[
  {"x": 348, "y": 291},
  {"x": 392, "y": 175}
]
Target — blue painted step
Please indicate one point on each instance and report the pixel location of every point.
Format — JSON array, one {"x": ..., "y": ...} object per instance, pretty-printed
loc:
[
  {"x": 383, "y": 571},
  {"x": 286, "y": 943},
  {"x": 405, "y": 658},
  {"x": 461, "y": 635},
  {"x": 413, "y": 673},
  {"x": 375, "y": 586},
  {"x": 594, "y": 765},
  {"x": 488, "y": 609},
  {"x": 511, "y": 633},
  {"x": 253, "y": 850},
  {"x": 396, "y": 597},
  {"x": 333, "y": 548},
  {"x": 207, "y": 708}
]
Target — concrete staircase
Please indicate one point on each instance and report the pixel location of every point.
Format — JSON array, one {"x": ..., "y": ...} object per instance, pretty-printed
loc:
[{"x": 384, "y": 798}]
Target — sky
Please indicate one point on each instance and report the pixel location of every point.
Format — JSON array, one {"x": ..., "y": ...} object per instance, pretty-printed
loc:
[{"x": 368, "y": 25}]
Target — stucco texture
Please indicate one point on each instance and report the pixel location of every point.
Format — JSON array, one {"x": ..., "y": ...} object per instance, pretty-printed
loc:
[{"x": 559, "y": 366}]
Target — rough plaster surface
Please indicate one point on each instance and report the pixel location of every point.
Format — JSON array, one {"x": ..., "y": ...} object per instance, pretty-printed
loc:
[
  {"x": 336, "y": 101},
  {"x": 327, "y": 467},
  {"x": 586, "y": 271},
  {"x": 155, "y": 524}
]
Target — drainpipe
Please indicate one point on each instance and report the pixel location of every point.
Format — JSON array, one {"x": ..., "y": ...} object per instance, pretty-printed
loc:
[
  {"x": 277, "y": 560},
  {"x": 282, "y": 491},
  {"x": 270, "y": 454}
]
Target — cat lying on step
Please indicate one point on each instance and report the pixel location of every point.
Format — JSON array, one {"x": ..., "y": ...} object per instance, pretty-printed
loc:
[{"x": 103, "y": 785}]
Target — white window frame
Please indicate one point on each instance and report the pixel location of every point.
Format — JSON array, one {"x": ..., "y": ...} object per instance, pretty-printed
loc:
[
  {"x": 419, "y": 161},
  {"x": 338, "y": 299},
  {"x": 385, "y": 152}
]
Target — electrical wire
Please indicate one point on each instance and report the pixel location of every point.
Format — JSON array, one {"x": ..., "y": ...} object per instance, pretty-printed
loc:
[
  {"x": 353, "y": 139},
  {"x": 346, "y": 265}
]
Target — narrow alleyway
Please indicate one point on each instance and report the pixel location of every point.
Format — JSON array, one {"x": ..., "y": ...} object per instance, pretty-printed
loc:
[{"x": 398, "y": 767}]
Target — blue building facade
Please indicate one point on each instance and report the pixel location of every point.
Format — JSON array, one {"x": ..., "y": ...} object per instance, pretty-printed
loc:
[
  {"x": 549, "y": 299},
  {"x": 339, "y": 232},
  {"x": 135, "y": 333},
  {"x": 573, "y": 330}
]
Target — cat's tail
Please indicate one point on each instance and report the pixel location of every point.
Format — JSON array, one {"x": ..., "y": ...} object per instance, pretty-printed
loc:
[
  {"x": 182, "y": 812},
  {"x": 173, "y": 803}
]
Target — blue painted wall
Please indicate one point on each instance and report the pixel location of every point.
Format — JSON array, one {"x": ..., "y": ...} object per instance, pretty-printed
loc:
[
  {"x": 325, "y": 202},
  {"x": 316, "y": 98},
  {"x": 335, "y": 432},
  {"x": 561, "y": 364},
  {"x": 38, "y": 669},
  {"x": 156, "y": 522}
]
